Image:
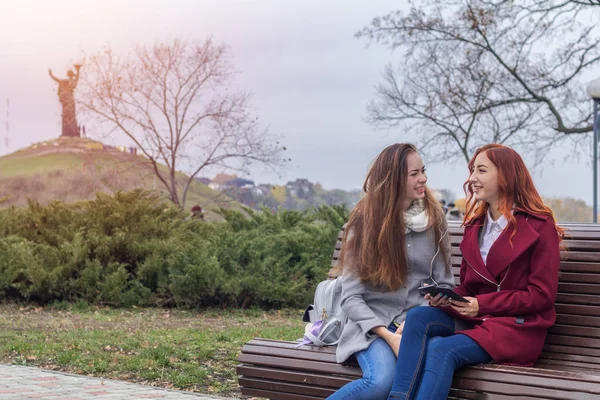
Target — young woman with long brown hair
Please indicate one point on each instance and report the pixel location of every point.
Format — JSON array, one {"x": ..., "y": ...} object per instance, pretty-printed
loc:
[
  {"x": 396, "y": 240},
  {"x": 509, "y": 275}
]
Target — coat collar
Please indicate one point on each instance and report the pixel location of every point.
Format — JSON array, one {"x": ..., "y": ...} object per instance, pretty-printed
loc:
[{"x": 502, "y": 253}]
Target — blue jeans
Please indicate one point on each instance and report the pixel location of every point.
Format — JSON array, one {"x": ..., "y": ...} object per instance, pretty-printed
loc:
[
  {"x": 376, "y": 363},
  {"x": 430, "y": 351}
]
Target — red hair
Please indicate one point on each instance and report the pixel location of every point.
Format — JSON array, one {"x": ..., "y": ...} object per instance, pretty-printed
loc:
[{"x": 515, "y": 189}]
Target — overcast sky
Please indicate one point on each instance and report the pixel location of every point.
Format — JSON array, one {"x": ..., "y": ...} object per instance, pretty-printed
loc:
[{"x": 310, "y": 77}]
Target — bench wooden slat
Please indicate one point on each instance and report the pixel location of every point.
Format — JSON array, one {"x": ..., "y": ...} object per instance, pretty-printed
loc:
[
  {"x": 290, "y": 353},
  {"x": 569, "y": 277},
  {"x": 302, "y": 365},
  {"x": 582, "y": 234},
  {"x": 578, "y": 256},
  {"x": 573, "y": 341},
  {"x": 566, "y": 330},
  {"x": 277, "y": 386},
  {"x": 562, "y": 364},
  {"x": 576, "y": 320},
  {"x": 540, "y": 370},
  {"x": 464, "y": 395},
  {"x": 552, "y": 348},
  {"x": 559, "y": 366},
  {"x": 522, "y": 390},
  {"x": 456, "y": 261},
  {"x": 577, "y": 245},
  {"x": 291, "y": 376},
  {"x": 592, "y": 360},
  {"x": 276, "y": 395},
  {"x": 282, "y": 344},
  {"x": 573, "y": 266},
  {"x": 580, "y": 288},
  {"x": 580, "y": 299},
  {"x": 457, "y": 394},
  {"x": 573, "y": 309}
]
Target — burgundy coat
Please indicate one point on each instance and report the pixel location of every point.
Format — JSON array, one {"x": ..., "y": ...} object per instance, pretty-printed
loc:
[{"x": 516, "y": 290}]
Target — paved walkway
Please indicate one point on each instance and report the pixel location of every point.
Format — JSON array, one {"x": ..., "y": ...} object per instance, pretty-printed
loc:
[{"x": 33, "y": 383}]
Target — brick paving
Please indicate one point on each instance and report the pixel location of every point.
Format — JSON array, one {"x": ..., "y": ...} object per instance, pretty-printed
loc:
[{"x": 23, "y": 383}]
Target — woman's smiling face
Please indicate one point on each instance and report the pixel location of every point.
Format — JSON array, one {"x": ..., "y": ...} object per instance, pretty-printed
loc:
[
  {"x": 484, "y": 179},
  {"x": 416, "y": 179}
]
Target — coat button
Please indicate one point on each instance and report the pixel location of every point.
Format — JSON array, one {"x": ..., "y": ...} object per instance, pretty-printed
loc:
[{"x": 408, "y": 245}]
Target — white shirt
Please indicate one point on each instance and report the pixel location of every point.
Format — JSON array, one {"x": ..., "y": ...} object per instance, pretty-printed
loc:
[{"x": 492, "y": 232}]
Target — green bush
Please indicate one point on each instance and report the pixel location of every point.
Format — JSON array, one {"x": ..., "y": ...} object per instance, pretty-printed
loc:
[{"x": 136, "y": 249}]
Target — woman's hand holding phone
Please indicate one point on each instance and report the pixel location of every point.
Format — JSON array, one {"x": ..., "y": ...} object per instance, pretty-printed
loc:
[
  {"x": 470, "y": 309},
  {"x": 439, "y": 300}
]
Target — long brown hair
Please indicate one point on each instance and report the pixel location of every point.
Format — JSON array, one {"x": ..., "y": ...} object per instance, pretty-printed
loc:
[
  {"x": 515, "y": 189},
  {"x": 377, "y": 224}
]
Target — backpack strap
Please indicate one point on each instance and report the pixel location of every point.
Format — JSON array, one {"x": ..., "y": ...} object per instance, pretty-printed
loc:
[{"x": 323, "y": 333}]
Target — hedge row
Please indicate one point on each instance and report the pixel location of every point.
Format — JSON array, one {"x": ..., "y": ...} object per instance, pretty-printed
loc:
[{"x": 135, "y": 249}]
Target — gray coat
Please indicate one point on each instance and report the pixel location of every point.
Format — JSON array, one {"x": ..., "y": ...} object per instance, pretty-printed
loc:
[{"x": 367, "y": 307}]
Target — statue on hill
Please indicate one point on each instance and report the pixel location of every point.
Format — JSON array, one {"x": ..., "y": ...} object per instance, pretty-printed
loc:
[{"x": 66, "y": 88}]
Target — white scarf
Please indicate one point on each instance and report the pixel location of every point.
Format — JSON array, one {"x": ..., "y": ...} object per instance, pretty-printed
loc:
[{"x": 415, "y": 218}]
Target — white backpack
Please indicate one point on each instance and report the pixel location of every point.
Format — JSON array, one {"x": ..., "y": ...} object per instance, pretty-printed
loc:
[{"x": 325, "y": 317}]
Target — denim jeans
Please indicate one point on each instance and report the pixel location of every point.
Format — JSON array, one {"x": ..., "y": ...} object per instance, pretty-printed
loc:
[
  {"x": 430, "y": 351},
  {"x": 377, "y": 363}
]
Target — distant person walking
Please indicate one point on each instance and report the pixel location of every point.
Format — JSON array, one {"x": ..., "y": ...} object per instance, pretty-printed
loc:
[
  {"x": 197, "y": 212},
  {"x": 66, "y": 89}
]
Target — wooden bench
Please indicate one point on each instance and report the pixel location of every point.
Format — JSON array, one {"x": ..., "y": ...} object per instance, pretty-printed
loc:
[{"x": 569, "y": 367}]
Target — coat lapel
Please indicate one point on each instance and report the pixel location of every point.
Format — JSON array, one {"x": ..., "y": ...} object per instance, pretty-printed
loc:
[
  {"x": 502, "y": 253},
  {"x": 469, "y": 248}
]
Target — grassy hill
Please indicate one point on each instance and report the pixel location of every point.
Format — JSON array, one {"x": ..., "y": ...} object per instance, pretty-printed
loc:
[{"x": 73, "y": 169}]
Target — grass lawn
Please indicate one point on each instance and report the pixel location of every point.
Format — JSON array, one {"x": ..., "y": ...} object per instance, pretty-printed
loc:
[
  {"x": 19, "y": 165},
  {"x": 79, "y": 174},
  {"x": 186, "y": 350}
]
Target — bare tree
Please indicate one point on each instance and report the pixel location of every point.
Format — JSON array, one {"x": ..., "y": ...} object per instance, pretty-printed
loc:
[
  {"x": 481, "y": 71},
  {"x": 547, "y": 5},
  {"x": 174, "y": 101}
]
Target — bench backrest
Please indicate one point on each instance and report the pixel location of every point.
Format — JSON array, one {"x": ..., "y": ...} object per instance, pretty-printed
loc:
[{"x": 575, "y": 338}]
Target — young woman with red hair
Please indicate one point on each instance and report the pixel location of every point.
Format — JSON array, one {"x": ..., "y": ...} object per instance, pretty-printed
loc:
[{"x": 509, "y": 275}]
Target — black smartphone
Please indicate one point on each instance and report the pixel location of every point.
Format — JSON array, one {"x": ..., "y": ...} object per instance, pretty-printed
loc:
[{"x": 433, "y": 290}]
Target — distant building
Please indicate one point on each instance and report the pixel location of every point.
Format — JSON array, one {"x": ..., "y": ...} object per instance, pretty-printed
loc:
[
  {"x": 299, "y": 187},
  {"x": 263, "y": 189},
  {"x": 221, "y": 178},
  {"x": 203, "y": 180},
  {"x": 240, "y": 183}
]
